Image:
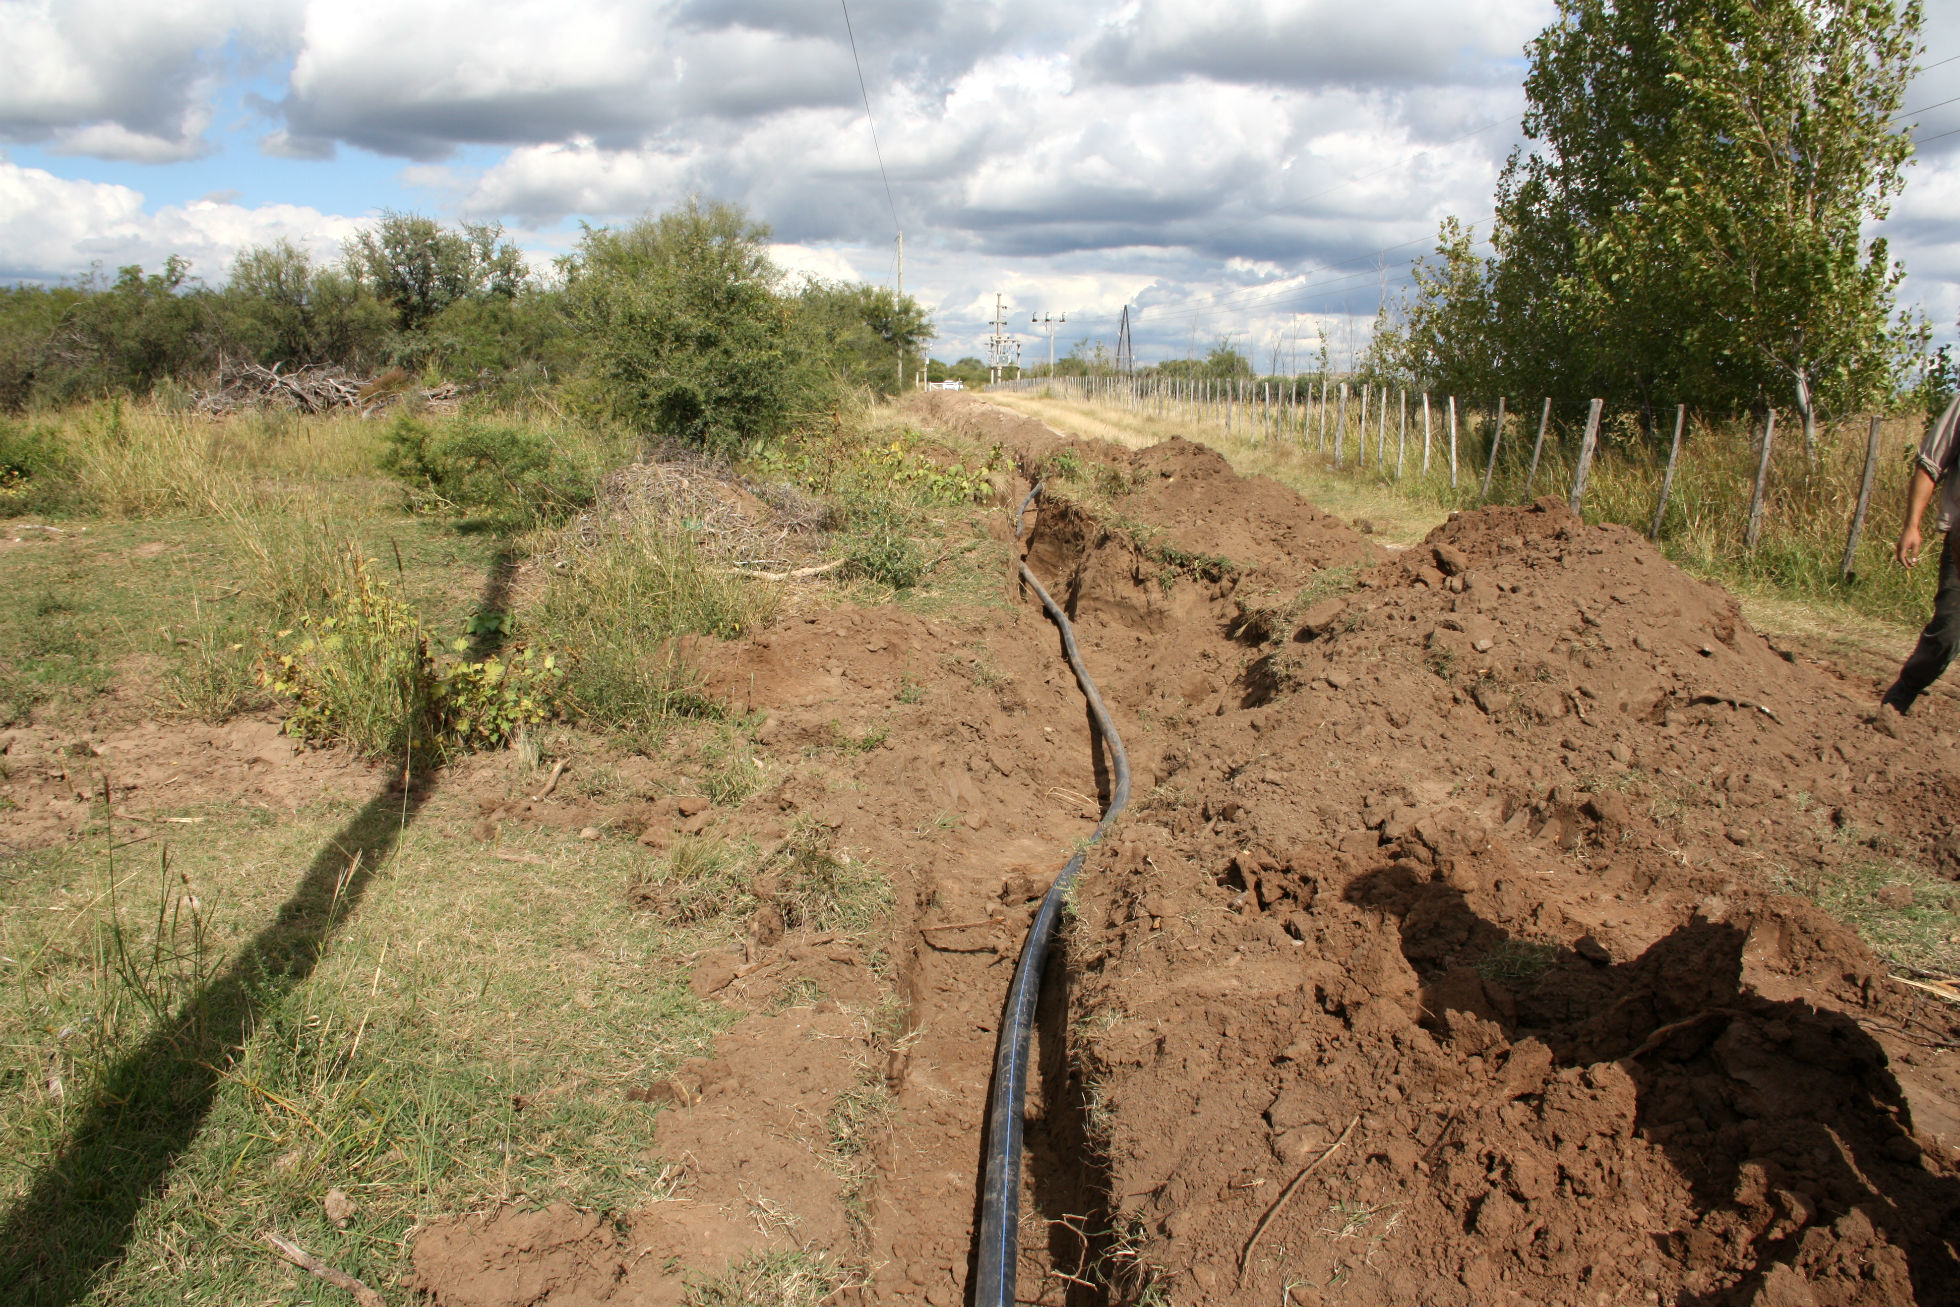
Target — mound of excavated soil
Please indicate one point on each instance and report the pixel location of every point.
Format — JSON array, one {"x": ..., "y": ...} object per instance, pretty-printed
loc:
[
  {"x": 1463, "y": 895},
  {"x": 1442, "y": 950}
]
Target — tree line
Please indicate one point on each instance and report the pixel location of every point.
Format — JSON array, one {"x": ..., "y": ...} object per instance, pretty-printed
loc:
[{"x": 678, "y": 322}]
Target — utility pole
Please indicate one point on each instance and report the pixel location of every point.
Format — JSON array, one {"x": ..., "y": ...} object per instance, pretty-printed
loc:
[
  {"x": 1002, "y": 350},
  {"x": 900, "y": 306},
  {"x": 1049, "y": 323}
]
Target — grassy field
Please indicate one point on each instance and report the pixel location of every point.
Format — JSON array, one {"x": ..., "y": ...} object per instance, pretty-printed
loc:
[{"x": 211, "y": 1024}]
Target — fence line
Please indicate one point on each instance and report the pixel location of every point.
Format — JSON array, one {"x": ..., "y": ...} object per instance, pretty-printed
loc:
[{"x": 1296, "y": 414}]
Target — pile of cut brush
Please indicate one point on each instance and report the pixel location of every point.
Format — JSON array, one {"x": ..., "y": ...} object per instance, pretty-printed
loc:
[{"x": 317, "y": 388}]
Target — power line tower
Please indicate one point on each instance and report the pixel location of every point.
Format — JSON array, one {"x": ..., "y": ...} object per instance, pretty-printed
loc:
[
  {"x": 1048, "y": 323},
  {"x": 1126, "y": 359},
  {"x": 1003, "y": 351}
]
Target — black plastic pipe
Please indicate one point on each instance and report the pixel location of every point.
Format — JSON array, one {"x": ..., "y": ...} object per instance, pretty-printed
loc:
[{"x": 1000, "y": 1197}]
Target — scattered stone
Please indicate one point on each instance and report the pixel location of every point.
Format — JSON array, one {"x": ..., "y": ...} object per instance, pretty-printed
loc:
[
  {"x": 339, "y": 1207},
  {"x": 1452, "y": 560},
  {"x": 589, "y": 833}
]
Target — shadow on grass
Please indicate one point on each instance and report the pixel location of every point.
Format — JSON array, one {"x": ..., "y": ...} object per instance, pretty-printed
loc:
[
  {"x": 150, "y": 1106},
  {"x": 76, "y": 1221}
]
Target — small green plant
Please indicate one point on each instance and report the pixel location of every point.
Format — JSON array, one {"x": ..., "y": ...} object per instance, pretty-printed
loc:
[
  {"x": 481, "y": 705},
  {"x": 909, "y": 690},
  {"x": 774, "y": 1279},
  {"x": 879, "y": 547},
  {"x": 864, "y": 743},
  {"x": 1517, "y": 960}
]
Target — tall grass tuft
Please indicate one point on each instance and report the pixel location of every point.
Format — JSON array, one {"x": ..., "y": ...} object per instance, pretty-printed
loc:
[
  {"x": 620, "y": 606},
  {"x": 141, "y": 460}
]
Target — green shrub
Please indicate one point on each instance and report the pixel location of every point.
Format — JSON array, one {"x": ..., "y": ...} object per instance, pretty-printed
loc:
[
  {"x": 37, "y": 474},
  {"x": 879, "y": 546},
  {"x": 688, "y": 332},
  {"x": 474, "y": 464}
]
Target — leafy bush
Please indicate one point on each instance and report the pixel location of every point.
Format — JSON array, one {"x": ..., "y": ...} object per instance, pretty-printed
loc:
[
  {"x": 686, "y": 328},
  {"x": 473, "y": 463},
  {"x": 362, "y": 674}
]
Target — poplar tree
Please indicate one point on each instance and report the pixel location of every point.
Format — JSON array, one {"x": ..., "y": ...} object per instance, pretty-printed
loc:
[{"x": 1687, "y": 221}]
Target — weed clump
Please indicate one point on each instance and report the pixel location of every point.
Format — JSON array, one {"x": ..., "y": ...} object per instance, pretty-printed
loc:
[
  {"x": 701, "y": 879},
  {"x": 621, "y": 606},
  {"x": 361, "y": 673}
]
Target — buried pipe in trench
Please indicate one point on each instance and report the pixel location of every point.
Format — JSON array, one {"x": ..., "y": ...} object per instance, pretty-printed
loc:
[{"x": 1000, "y": 1199}]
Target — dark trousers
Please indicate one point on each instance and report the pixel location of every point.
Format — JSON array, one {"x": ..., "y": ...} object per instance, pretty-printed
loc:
[{"x": 1940, "y": 638}]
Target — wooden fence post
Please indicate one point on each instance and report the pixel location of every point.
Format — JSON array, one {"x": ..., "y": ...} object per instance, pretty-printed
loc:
[
  {"x": 1452, "y": 442},
  {"x": 1340, "y": 425},
  {"x": 1537, "y": 448},
  {"x": 1496, "y": 439},
  {"x": 1381, "y": 434},
  {"x": 1425, "y": 433},
  {"x": 1402, "y": 432},
  {"x": 1864, "y": 502},
  {"x": 1755, "y": 530},
  {"x": 1667, "y": 480},
  {"x": 1586, "y": 454},
  {"x": 1361, "y": 445}
]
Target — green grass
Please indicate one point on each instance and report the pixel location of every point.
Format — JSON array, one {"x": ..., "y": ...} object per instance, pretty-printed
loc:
[
  {"x": 1909, "y": 916},
  {"x": 1517, "y": 960},
  {"x": 357, "y": 995},
  {"x": 464, "y": 1036}
]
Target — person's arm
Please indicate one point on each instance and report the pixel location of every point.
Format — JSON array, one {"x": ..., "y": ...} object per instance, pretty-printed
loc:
[{"x": 1918, "y": 495}]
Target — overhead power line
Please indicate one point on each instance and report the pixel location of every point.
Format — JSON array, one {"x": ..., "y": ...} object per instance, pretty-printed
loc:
[
  {"x": 1924, "y": 108},
  {"x": 869, "y": 120}
]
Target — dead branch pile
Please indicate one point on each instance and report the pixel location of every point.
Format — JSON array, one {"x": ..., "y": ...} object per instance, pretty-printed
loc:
[{"x": 317, "y": 388}]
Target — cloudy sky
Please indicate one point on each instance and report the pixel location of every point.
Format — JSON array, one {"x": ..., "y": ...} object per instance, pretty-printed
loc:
[{"x": 1259, "y": 169}]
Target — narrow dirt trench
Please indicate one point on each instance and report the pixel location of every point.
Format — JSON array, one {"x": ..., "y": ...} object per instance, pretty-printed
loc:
[{"x": 1451, "y": 950}]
